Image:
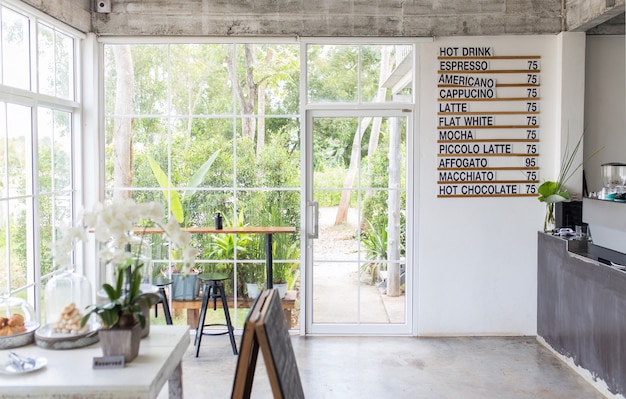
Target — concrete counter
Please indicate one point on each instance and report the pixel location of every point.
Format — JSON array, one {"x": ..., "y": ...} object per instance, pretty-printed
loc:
[{"x": 581, "y": 307}]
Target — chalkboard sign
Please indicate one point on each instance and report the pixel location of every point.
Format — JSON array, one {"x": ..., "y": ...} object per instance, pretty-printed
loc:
[{"x": 265, "y": 328}]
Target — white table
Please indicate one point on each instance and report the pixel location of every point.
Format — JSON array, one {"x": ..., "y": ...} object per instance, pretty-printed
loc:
[{"x": 69, "y": 373}]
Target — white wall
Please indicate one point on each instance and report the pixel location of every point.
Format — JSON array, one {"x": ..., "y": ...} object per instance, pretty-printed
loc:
[{"x": 477, "y": 257}]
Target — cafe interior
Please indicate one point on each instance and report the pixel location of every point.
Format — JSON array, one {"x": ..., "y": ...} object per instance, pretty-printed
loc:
[{"x": 440, "y": 184}]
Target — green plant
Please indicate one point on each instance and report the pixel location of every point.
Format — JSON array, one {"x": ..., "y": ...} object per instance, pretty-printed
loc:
[
  {"x": 126, "y": 301},
  {"x": 555, "y": 191},
  {"x": 175, "y": 201},
  {"x": 285, "y": 272},
  {"x": 224, "y": 247},
  {"x": 374, "y": 240},
  {"x": 114, "y": 225}
]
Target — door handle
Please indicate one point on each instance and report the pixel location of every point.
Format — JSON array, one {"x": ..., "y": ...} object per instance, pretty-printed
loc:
[{"x": 314, "y": 218}]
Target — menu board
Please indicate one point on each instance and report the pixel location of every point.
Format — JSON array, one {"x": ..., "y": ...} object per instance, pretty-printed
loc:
[{"x": 487, "y": 123}]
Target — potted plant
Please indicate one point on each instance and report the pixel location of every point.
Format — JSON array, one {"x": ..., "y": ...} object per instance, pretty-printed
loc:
[
  {"x": 285, "y": 273},
  {"x": 255, "y": 279},
  {"x": 124, "y": 315},
  {"x": 185, "y": 284},
  {"x": 552, "y": 192},
  {"x": 114, "y": 226}
]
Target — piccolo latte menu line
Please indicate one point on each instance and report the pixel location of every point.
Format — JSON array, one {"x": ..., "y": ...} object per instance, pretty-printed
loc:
[{"x": 487, "y": 123}]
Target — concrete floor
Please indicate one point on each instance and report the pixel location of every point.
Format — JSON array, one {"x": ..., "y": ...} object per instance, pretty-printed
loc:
[{"x": 398, "y": 367}]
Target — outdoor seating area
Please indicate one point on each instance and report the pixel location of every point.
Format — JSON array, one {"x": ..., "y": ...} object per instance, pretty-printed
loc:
[{"x": 191, "y": 309}]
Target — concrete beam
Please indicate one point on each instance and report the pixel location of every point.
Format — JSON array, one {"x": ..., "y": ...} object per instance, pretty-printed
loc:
[
  {"x": 582, "y": 15},
  {"x": 76, "y": 13},
  {"x": 386, "y": 18}
]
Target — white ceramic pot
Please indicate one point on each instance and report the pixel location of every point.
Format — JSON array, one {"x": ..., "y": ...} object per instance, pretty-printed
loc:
[
  {"x": 253, "y": 290},
  {"x": 282, "y": 289}
]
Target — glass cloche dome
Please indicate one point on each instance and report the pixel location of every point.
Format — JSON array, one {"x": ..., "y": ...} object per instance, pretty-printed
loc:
[
  {"x": 66, "y": 296},
  {"x": 15, "y": 315}
]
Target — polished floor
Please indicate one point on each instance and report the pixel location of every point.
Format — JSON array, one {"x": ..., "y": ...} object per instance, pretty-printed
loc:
[{"x": 398, "y": 367}]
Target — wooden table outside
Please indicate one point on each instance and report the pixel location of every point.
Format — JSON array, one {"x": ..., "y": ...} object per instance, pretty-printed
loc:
[
  {"x": 69, "y": 373},
  {"x": 267, "y": 231}
]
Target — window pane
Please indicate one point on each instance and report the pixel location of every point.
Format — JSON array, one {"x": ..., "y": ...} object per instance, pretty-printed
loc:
[
  {"x": 17, "y": 248},
  {"x": 19, "y": 136},
  {"x": 268, "y": 79},
  {"x": 15, "y": 50},
  {"x": 333, "y": 73},
  {"x": 275, "y": 163},
  {"x": 201, "y": 81},
  {"x": 143, "y": 72},
  {"x": 46, "y": 154},
  {"x": 46, "y": 60},
  {"x": 62, "y": 151},
  {"x": 359, "y": 73},
  {"x": 4, "y": 142},
  {"x": 64, "y": 62}
]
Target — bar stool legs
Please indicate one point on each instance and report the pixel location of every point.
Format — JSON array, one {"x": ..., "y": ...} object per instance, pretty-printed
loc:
[
  {"x": 214, "y": 289},
  {"x": 166, "y": 306}
]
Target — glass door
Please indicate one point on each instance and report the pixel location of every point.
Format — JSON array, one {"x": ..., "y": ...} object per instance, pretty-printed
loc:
[{"x": 357, "y": 279}]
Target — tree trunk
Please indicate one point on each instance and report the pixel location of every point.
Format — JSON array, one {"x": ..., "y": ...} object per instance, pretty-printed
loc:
[
  {"x": 355, "y": 155},
  {"x": 393, "y": 209},
  {"x": 385, "y": 61},
  {"x": 344, "y": 203},
  {"x": 248, "y": 95},
  {"x": 122, "y": 124},
  {"x": 262, "y": 85}
]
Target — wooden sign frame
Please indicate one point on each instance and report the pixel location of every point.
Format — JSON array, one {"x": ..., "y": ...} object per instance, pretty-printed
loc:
[{"x": 265, "y": 328}]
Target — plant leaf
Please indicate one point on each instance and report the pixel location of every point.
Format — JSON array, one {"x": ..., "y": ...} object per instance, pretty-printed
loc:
[
  {"x": 199, "y": 176},
  {"x": 171, "y": 196}
]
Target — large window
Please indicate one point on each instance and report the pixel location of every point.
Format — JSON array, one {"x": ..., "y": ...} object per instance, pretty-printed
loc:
[
  {"x": 208, "y": 128},
  {"x": 38, "y": 105}
]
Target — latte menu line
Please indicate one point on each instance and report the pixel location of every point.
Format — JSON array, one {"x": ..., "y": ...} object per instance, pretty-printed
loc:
[{"x": 488, "y": 123}]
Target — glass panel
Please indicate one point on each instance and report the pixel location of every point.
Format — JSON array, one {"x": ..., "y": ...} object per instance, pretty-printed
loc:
[
  {"x": 19, "y": 135},
  {"x": 365, "y": 74},
  {"x": 4, "y": 177},
  {"x": 54, "y": 211},
  {"x": 64, "y": 65},
  {"x": 45, "y": 147},
  {"x": 213, "y": 160},
  {"x": 332, "y": 73},
  {"x": 358, "y": 168},
  {"x": 46, "y": 60},
  {"x": 62, "y": 151},
  {"x": 142, "y": 69},
  {"x": 201, "y": 81},
  {"x": 268, "y": 79},
  {"x": 5, "y": 259},
  {"x": 17, "y": 249},
  {"x": 332, "y": 302},
  {"x": 15, "y": 50}
]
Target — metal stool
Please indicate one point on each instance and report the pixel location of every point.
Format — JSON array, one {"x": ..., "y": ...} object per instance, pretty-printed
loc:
[
  {"x": 213, "y": 289},
  {"x": 162, "y": 282}
]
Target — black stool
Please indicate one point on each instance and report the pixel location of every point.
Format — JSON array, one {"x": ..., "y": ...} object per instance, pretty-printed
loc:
[
  {"x": 162, "y": 283},
  {"x": 213, "y": 289}
]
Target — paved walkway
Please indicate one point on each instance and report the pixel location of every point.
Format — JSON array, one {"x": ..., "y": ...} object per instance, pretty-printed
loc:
[{"x": 338, "y": 287}]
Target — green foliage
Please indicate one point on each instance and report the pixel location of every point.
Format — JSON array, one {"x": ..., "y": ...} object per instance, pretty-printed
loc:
[
  {"x": 177, "y": 203},
  {"x": 375, "y": 238},
  {"x": 555, "y": 191},
  {"x": 329, "y": 178},
  {"x": 374, "y": 241}
]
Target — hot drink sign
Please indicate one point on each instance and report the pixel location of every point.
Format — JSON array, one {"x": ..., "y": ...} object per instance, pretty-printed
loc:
[{"x": 487, "y": 123}]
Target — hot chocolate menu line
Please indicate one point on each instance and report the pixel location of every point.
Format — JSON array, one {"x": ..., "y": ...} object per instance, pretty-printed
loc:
[{"x": 487, "y": 123}]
